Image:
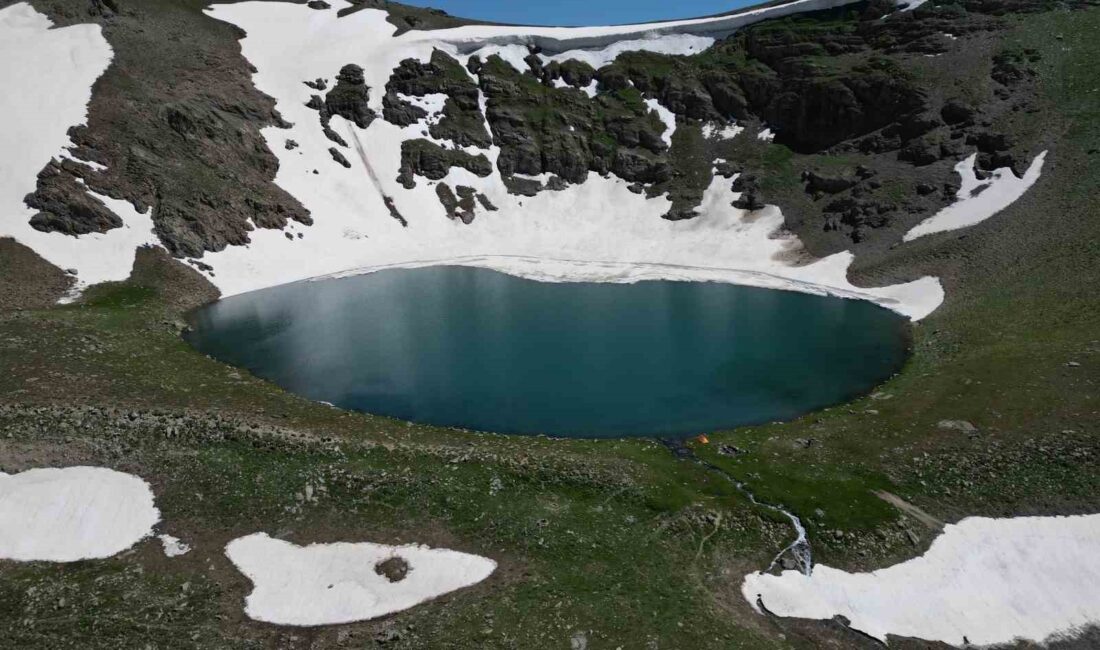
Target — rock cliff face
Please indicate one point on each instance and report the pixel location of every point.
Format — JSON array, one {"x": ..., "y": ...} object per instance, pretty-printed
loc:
[
  {"x": 838, "y": 83},
  {"x": 865, "y": 132}
]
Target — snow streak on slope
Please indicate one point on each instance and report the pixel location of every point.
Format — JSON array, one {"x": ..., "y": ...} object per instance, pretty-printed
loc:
[
  {"x": 685, "y": 44},
  {"x": 75, "y": 513},
  {"x": 47, "y": 76},
  {"x": 326, "y": 584},
  {"x": 982, "y": 582},
  {"x": 597, "y": 230},
  {"x": 978, "y": 200}
]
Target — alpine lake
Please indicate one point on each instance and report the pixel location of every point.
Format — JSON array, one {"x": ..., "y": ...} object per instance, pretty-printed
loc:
[{"x": 478, "y": 349}]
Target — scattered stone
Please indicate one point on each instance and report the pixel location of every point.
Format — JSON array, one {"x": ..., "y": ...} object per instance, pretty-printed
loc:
[
  {"x": 579, "y": 641},
  {"x": 339, "y": 157},
  {"x": 730, "y": 450},
  {"x": 957, "y": 425}
]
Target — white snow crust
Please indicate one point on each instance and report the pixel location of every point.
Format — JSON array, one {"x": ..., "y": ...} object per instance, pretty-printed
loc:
[
  {"x": 766, "y": 135},
  {"x": 594, "y": 231},
  {"x": 73, "y": 513},
  {"x": 667, "y": 116},
  {"x": 983, "y": 582},
  {"x": 48, "y": 74},
  {"x": 978, "y": 200},
  {"x": 173, "y": 546},
  {"x": 721, "y": 131},
  {"x": 682, "y": 44},
  {"x": 327, "y": 584}
]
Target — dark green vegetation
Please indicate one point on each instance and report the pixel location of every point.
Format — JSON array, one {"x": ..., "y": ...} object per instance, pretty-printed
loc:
[{"x": 618, "y": 541}]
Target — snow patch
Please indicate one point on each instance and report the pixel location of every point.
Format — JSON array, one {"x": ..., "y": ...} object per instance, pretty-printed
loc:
[
  {"x": 978, "y": 200},
  {"x": 173, "y": 546},
  {"x": 513, "y": 55},
  {"x": 766, "y": 135},
  {"x": 667, "y": 116},
  {"x": 982, "y": 582},
  {"x": 74, "y": 513},
  {"x": 327, "y": 584},
  {"x": 677, "y": 44},
  {"x": 721, "y": 131}
]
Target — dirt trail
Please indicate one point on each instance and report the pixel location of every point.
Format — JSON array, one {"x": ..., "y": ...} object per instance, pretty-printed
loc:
[{"x": 930, "y": 522}]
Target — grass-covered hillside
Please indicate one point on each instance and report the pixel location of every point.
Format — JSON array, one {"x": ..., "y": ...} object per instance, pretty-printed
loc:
[{"x": 600, "y": 544}]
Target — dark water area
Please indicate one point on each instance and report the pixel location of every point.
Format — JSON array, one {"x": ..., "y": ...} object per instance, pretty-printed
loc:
[
  {"x": 581, "y": 12},
  {"x": 482, "y": 350}
]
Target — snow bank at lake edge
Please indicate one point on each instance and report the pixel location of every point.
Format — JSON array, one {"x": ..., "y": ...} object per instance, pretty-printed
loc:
[
  {"x": 983, "y": 582},
  {"x": 328, "y": 584},
  {"x": 73, "y": 513}
]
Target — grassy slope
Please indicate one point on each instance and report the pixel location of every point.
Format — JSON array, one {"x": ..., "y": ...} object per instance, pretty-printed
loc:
[{"x": 615, "y": 539}]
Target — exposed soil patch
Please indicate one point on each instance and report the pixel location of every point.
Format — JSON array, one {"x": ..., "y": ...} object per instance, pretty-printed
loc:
[{"x": 393, "y": 569}]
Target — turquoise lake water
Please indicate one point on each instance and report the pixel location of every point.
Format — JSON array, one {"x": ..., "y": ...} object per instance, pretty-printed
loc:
[{"x": 482, "y": 350}]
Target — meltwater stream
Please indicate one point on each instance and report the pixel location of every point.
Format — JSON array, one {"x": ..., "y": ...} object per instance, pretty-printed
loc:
[
  {"x": 799, "y": 549},
  {"x": 478, "y": 349}
]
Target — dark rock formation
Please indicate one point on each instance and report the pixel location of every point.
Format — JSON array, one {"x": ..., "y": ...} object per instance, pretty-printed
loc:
[
  {"x": 401, "y": 113},
  {"x": 349, "y": 98},
  {"x": 339, "y": 157},
  {"x": 461, "y": 207},
  {"x": 65, "y": 206},
  {"x": 425, "y": 158},
  {"x": 541, "y": 129},
  {"x": 816, "y": 183},
  {"x": 461, "y": 122},
  {"x": 750, "y": 198}
]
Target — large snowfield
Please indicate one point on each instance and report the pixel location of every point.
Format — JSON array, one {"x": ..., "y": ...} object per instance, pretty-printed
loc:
[
  {"x": 982, "y": 582},
  {"x": 326, "y": 584},
  {"x": 74, "y": 513},
  {"x": 47, "y": 75},
  {"x": 595, "y": 231}
]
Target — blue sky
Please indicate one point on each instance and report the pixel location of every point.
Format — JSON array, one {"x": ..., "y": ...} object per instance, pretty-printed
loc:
[{"x": 581, "y": 12}]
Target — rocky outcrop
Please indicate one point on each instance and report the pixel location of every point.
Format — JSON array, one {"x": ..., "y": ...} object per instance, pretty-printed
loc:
[
  {"x": 425, "y": 158},
  {"x": 339, "y": 157},
  {"x": 349, "y": 98},
  {"x": 65, "y": 206},
  {"x": 463, "y": 206},
  {"x": 461, "y": 121},
  {"x": 750, "y": 198},
  {"x": 561, "y": 131}
]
